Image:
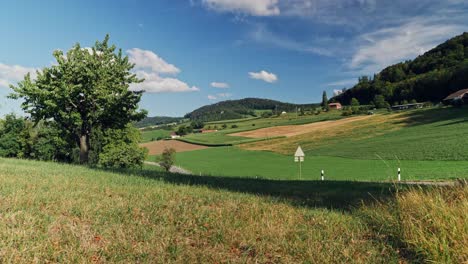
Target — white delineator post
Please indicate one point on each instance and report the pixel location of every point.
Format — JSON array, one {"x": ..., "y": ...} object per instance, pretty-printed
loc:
[
  {"x": 399, "y": 174},
  {"x": 299, "y": 157},
  {"x": 322, "y": 173}
]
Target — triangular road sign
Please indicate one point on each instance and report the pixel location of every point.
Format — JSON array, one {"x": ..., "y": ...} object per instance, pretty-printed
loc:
[{"x": 299, "y": 152}]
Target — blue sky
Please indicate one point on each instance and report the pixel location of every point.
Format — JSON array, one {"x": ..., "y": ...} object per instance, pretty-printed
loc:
[{"x": 197, "y": 52}]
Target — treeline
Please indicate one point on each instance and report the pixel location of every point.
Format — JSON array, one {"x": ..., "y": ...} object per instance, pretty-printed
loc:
[
  {"x": 235, "y": 109},
  {"x": 430, "y": 77},
  {"x": 46, "y": 141},
  {"x": 158, "y": 120}
]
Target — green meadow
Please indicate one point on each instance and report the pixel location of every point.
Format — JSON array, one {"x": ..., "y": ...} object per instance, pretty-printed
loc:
[
  {"x": 427, "y": 144},
  {"x": 232, "y": 161},
  {"x": 151, "y": 135}
]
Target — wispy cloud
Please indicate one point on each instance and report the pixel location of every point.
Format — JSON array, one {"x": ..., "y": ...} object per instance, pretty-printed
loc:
[
  {"x": 219, "y": 85},
  {"x": 387, "y": 46},
  {"x": 261, "y": 34},
  {"x": 11, "y": 74},
  {"x": 264, "y": 76},
  {"x": 151, "y": 67},
  {"x": 247, "y": 7}
]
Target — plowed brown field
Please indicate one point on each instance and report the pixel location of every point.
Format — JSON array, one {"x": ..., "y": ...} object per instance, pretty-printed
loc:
[{"x": 157, "y": 147}]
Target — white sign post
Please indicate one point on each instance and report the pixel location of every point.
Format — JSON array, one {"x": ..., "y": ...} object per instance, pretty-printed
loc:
[{"x": 299, "y": 157}]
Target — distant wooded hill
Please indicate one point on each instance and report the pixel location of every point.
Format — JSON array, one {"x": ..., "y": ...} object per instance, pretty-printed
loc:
[
  {"x": 234, "y": 109},
  {"x": 430, "y": 77},
  {"x": 158, "y": 120}
]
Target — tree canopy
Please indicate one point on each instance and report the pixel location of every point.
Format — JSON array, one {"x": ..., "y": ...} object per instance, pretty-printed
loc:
[{"x": 87, "y": 88}]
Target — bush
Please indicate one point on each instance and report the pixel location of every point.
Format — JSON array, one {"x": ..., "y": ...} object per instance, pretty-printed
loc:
[
  {"x": 119, "y": 148},
  {"x": 119, "y": 155},
  {"x": 234, "y": 126},
  {"x": 168, "y": 158}
]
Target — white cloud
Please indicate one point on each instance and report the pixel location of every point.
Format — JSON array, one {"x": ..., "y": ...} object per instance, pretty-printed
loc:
[
  {"x": 146, "y": 59},
  {"x": 391, "y": 45},
  {"x": 337, "y": 92},
  {"x": 212, "y": 97},
  {"x": 219, "y": 85},
  {"x": 248, "y": 7},
  {"x": 11, "y": 74},
  {"x": 156, "y": 84},
  {"x": 150, "y": 67},
  {"x": 264, "y": 76}
]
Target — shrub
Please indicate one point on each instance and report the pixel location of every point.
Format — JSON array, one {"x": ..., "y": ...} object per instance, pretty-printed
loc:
[
  {"x": 118, "y": 148},
  {"x": 234, "y": 126},
  {"x": 168, "y": 158},
  {"x": 119, "y": 155}
]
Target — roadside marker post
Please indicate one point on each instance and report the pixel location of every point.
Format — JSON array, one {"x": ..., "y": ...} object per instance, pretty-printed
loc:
[
  {"x": 299, "y": 157},
  {"x": 399, "y": 174},
  {"x": 323, "y": 175}
]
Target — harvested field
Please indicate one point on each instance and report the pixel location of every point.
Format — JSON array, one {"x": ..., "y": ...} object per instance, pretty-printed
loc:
[
  {"x": 295, "y": 130},
  {"x": 157, "y": 147},
  {"x": 327, "y": 133}
]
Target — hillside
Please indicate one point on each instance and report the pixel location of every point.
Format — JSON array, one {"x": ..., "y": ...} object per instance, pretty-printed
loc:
[
  {"x": 429, "y": 77},
  {"x": 235, "y": 109},
  {"x": 157, "y": 120}
]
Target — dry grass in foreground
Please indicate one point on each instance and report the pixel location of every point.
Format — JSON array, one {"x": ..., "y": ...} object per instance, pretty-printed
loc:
[
  {"x": 60, "y": 213},
  {"x": 429, "y": 225}
]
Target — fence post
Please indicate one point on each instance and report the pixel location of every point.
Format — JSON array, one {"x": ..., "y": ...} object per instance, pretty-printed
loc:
[
  {"x": 323, "y": 175},
  {"x": 399, "y": 174}
]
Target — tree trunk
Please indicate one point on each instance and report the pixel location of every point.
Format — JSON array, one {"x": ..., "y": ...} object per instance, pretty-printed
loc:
[{"x": 84, "y": 149}]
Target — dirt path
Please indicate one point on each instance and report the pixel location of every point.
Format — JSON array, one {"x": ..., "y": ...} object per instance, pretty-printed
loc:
[
  {"x": 174, "y": 169},
  {"x": 294, "y": 130},
  {"x": 157, "y": 147}
]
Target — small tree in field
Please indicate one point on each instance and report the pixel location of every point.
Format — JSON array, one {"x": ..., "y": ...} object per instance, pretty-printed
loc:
[
  {"x": 87, "y": 89},
  {"x": 325, "y": 105},
  {"x": 168, "y": 158}
]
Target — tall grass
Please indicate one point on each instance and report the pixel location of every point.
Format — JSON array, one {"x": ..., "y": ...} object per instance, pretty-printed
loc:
[{"x": 426, "y": 225}]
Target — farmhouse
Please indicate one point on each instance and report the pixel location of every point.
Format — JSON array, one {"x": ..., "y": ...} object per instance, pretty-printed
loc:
[
  {"x": 336, "y": 106},
  {"x": 458, "y": 95},
  {"x": 407, "y": 106},
  {"x": 174, "y": 135}
]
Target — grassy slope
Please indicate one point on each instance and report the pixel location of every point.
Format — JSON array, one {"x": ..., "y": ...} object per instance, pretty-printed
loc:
[
  {"x": 232, "y": 161},
  {"x": 222, "y": 137},
  {"x": 422, "y": 143},
  {"x": 59, "y": 213},
  {"x": 149, "y": 135},
  {"x": 429, "y": 134}
]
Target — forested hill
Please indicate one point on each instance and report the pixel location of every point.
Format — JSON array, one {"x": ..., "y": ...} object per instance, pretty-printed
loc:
[
  {"x": 157, "y": 120},
  {"x": 429, "y": 77},
  {"x": 234, "y": 109}
]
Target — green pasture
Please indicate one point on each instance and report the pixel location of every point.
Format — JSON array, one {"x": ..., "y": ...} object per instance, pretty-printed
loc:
[
  {"x": 429, "y": 134},
  {"x": 151, "y": 135},
  {"x": 232, "y": 161}
]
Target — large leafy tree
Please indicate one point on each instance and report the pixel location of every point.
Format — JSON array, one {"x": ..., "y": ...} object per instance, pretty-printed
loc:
[{"x": 87, "y": 89}]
